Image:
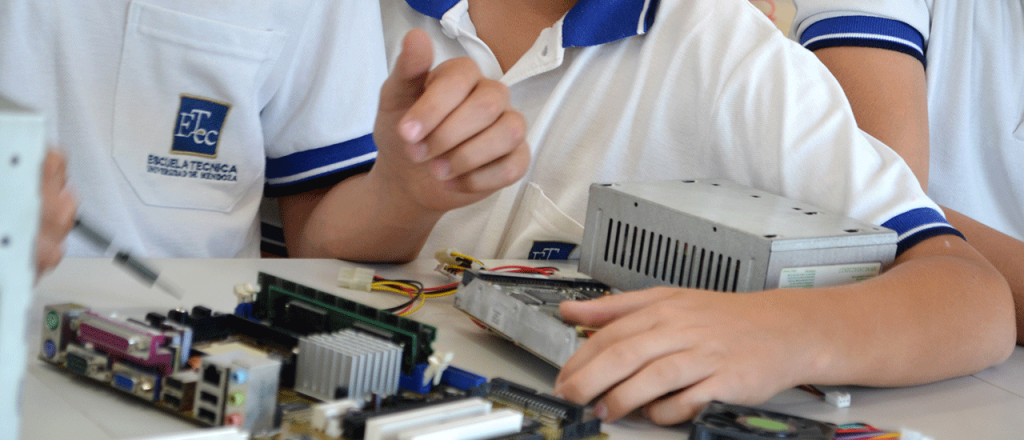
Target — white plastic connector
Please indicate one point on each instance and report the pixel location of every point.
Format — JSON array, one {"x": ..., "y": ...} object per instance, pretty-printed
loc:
[
  {"x": 444, "y": 256},
  {"x": 355, "y": 278},
  {"x": 906, "y": 434},
  {"x": 450, "y": 271},
  {"x": 839, "y": 399},
  {"x": 439, "y": 361},
  {"x": 246, "y": 292},
  {"x": 327, "y": 416},
  {"x": 452, "y": 257}
]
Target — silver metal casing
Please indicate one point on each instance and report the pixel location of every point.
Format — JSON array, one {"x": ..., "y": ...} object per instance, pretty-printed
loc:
[{"x": 717, "y": 235}]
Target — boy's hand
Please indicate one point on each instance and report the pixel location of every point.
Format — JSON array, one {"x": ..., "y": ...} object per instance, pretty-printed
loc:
[
  {"x": 671, "y": 351},
  {"x": 57, "y": 216},
  {"x": 447, "y": 137}
]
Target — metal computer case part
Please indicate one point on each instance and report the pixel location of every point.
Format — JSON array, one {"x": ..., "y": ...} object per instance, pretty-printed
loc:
[{"x": 718, "y": 235}]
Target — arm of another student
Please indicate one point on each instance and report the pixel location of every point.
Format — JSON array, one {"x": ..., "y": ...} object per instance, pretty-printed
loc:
[
  {"x": 446, "y": 138},
  {"x": 58, "y": 213},
  {"x": 941, "y": 311},
  {"x": 887, "y": 91}
]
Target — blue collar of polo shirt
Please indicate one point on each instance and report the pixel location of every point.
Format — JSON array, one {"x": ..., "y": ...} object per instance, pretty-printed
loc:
[{"x": 589, "y": 23}]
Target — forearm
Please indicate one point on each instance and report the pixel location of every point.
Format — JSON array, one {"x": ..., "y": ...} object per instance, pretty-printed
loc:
[
  {"x": 359, "y": 219},
  {"x": 930, "y": 317},
  {"x": 1003, "y": 251}
]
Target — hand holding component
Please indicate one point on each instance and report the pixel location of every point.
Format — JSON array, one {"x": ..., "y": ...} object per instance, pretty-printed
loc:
[{"x": 671, "y": 351}]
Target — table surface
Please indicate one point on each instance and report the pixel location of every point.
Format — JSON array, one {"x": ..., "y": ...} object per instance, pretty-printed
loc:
[{"x": 987, "y": 405}]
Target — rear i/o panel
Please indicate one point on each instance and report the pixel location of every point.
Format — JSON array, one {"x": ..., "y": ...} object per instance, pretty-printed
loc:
[{"x": 294, "y": 362}]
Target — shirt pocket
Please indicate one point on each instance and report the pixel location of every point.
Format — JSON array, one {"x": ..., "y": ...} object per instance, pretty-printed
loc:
[
  {"x": 539, "y": 220},
  {"x": 186, "y": 129}
]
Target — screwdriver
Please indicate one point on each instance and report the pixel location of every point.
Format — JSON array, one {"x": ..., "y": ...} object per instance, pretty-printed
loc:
[{"x": 133, "y": 265}]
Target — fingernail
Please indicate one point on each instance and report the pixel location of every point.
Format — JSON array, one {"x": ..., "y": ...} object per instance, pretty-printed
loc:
[
  {"x": 411, "y": 130},
  {"x": 440, "y": 169},
  {"x": 418, "y": 152},
  {"x": 601, "y": 411}
]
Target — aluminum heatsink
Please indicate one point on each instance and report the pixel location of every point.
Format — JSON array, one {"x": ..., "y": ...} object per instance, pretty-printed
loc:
[{"x": 362, "y": 364}]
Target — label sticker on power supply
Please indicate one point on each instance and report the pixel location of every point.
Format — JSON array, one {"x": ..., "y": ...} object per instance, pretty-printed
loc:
[{"x": 824, "y": 276}]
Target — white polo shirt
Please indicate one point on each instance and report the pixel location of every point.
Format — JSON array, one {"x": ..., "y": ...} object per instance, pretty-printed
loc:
[
  {"x": 623, "y": 90},
  {"x": 176, "y": 115},
  {"x": 975, "y": 69}
]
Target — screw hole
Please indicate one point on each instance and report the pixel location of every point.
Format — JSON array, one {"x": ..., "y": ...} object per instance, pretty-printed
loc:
[
  {"x": 811, "y": 213},
  {"x": 6, "y": 241},
  {"x": 15, "y": 160},
  {"x": 853, "y": 231},
  {"x": 770, "y": 236},
  {"x": 689, "y": 181},
  {"x": 635, "y": 204}
]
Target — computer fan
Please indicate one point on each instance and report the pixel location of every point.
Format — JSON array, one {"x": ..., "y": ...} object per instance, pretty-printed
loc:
[{"x": 722, "y": 421}]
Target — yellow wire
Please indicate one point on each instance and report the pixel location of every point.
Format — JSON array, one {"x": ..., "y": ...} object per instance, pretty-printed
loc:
[
  {"x": 467, "y": 257},
  {"x": 398, "y": 284},
  {"x": 422, "y": 300},
  {"x": 391, "y": 289}
]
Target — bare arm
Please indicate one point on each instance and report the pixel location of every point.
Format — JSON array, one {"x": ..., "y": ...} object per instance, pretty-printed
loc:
[
  {"x": 447, "y": 137},
  {"x": 1005, "y": 253},
  {"x": 941, "y": 311},
  {"x": 889, "y": 96},
  {"x": 58, "y": 213},
  {"x": 888, "y": 93}
]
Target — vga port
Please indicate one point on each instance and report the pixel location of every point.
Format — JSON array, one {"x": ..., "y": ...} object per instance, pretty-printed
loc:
[{"x": 123, "y": 382}]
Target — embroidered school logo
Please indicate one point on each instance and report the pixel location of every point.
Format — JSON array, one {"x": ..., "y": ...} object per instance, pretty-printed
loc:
[{"x": 198, "y": 127}]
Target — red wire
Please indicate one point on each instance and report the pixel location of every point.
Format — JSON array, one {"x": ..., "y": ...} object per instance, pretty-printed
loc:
[{"x": 527, "y": 269}]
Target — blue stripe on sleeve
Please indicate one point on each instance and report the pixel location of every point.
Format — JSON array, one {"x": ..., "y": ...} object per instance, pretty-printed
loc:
[
  {"x": 917, "y": 225},
  {"x": 865, "y": 31},
  {"x": 319, "y": 162}
]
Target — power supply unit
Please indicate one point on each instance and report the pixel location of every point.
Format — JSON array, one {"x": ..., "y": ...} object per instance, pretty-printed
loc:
[{"x": 717, "y": 235}]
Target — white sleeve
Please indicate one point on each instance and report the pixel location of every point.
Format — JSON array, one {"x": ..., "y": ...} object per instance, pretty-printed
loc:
[
  {"x": 318, "y": 122},
  {"x": 901, "y": 25},
  {"x": 787, "y": 127}
]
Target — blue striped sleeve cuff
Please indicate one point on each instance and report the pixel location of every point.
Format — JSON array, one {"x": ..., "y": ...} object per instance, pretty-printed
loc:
[
  {"x": 865, "y": 31},
  {"x": 319, "y": 168},
  {"x": 917, "y": 225}
]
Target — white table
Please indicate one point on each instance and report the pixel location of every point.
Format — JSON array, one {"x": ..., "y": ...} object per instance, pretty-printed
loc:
[{"x": 988, "y": 405}]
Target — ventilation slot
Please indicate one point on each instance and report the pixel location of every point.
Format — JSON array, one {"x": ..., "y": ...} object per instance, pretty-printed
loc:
[{"x": 668, "y": 260}]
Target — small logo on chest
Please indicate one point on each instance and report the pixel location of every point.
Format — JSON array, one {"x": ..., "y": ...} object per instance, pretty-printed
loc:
[{"x": 198, "y": 127}]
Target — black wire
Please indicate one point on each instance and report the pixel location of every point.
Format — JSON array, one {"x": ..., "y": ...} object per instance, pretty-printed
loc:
[{"x": 415, "y": 296}]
